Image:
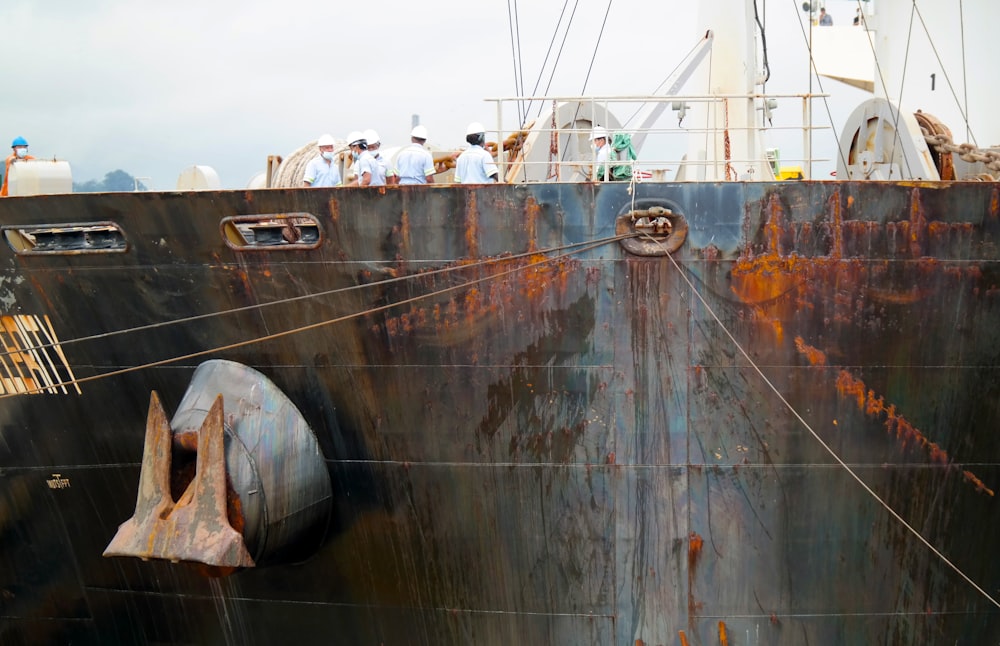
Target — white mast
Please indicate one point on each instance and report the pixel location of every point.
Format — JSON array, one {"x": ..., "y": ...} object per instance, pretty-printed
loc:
[{"x": 725, "y": 142}]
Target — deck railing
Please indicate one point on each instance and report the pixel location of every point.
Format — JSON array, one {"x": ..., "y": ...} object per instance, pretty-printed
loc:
[{"x": 760, "y": 125}]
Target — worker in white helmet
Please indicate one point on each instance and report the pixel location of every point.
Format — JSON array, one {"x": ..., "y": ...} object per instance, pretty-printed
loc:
[
  {"x": 386, "y": 174},
  {"x": 414, "y": 164},
  {"x": 323, "y": 170},
  {"x": 475, "y": 165},
  {"x": 603, "y": 150},
  {"x": 365, "y": 166}
]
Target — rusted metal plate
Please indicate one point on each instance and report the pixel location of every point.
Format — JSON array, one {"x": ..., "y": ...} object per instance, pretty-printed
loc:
[{"x": 586, "y": 449}]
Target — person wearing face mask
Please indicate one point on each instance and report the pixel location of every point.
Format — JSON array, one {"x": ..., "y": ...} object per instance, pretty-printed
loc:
[
  {"x": 19, "y": 152},
  {"x": 322, "y": 170},
  {"x": 386, "y": 173},
  {"x": 365, "y": 166}
]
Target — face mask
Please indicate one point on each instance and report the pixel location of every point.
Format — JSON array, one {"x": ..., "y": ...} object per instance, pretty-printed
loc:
[
  {"x": 21, "y": 152},
  {"x": 328, "y": 155},
  {"x": 354, "y": 155}
]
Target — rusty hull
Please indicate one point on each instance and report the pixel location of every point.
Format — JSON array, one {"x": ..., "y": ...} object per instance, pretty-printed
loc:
[{"x": 530, "y": 441}]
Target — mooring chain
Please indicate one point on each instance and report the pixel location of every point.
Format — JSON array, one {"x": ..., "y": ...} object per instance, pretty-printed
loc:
[{"x": 943, "y": 143}]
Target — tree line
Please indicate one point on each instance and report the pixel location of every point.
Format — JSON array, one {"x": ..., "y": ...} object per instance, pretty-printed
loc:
[{"x": 114, "y": 181}]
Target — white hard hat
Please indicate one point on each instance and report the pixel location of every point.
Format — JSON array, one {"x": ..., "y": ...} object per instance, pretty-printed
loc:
[
  {"x": 599, "y": 133},
  {"x": 326, "y": 140},
  {"x": 355, "y": 137},
  {"x": 419, "y": 132},
  {"x": 475, "y": 128},
  {"x": 371, "y": 137}
]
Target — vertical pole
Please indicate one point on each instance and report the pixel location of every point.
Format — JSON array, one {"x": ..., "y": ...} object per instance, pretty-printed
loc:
[
  {"x": 807, "y": 134},
  {"x": 807, "y": 108},
  {"x": 500, "y": 159}
]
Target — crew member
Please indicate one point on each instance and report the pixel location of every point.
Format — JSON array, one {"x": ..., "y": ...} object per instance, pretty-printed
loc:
[
  {"x": 475, "y": 165},
  {"x": 825, "y": 19},
  {"x": 365, "y": 166},
  {"x": 19, "y": 148},
  {"x": 322, "y": 170},
  {"x": 414, "y": 164},
  {"x": 387, "y": 174},
  {"x": 600, "y": 138}
]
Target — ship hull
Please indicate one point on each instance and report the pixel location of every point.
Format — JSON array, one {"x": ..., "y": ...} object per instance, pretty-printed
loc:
[{"x": 532, "y": 434}]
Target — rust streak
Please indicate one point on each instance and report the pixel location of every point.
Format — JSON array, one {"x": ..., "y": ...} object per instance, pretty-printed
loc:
[
  {"x": 532, "y": 212},
  {"x": 837, "y": 217},
  {"x": 472, "y": 225},
  {"x": 695, "y": 545},
  {"x": 980, "y": 487},
  {"x": 815, "y": 356},
  {"x": 907, "y": 434},
  {"x": 918, "y": 224}
]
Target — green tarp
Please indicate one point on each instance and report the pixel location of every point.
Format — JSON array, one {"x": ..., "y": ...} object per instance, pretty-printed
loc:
[{"x": 621, "y": 150}]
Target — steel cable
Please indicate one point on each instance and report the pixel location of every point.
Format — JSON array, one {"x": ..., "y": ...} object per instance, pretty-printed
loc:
[
  {"x": 575, "y": 248},
  {"x": 815, "y": 435}
]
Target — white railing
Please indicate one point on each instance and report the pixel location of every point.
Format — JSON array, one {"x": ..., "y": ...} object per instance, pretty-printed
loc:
[{"x": 711, "y": 136}]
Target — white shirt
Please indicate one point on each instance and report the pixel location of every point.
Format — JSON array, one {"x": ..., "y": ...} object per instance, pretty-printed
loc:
[
  {"x": 366, "y": 164},
  {"x": 603, "y": 154},
  {"x": 475, "y": 166},
  {"x": 383, "y": 162},
  {"x": 413, "y": 164},
  {"x": 320, "y": 172}
]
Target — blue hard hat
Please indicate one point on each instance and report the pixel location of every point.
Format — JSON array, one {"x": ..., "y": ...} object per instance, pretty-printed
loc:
[{"x": 19, "y": 141}]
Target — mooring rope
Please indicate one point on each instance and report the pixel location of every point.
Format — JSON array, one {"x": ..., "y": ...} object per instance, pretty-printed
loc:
[
  {"x": 575, "y": 248},
  {"x": 815, "y": 435},
  {"x": 291, "y": 299}
]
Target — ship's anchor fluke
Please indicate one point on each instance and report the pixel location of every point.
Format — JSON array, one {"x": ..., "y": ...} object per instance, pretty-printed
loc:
[{"x": 195, "y": 528}]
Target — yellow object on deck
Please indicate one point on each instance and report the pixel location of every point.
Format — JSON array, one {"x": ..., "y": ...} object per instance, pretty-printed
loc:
[{"x": 790, "y": 172}]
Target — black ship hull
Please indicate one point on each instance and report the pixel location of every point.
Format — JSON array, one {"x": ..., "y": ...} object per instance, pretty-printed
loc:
[{"x": 532, "y": 433}]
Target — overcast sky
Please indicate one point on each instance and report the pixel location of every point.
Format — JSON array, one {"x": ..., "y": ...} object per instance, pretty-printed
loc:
[{"x": 154, "y": 87}]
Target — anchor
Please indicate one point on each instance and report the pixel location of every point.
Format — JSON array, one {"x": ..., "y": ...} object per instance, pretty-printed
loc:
[
  {"x": 260, "y": 490},
  {"x": 195, "y": 527}
]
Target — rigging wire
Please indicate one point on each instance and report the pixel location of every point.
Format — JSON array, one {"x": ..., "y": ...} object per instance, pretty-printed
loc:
[
  {"x": 965, "y": 75},
  {"x": 814, "y": 72},
  {"x": 548, "y": 52},
  {"x": 555, "y": 65},
  {"x": 896, "y": 140},
  {"x": 583, "y": 91},
  {"x": 665, "y": 80},
  {"x": 293, "y": 299},
  {"x": 597, "y": 45},
  {"x": 963, "y": 109},
  {"x": 815, "y": 435},
  {"x": 763, "y": 42},
  {"x": 963, "y": 104},
  {"x": 574, "y": 249},
  {"x": 515, "y": 52}
]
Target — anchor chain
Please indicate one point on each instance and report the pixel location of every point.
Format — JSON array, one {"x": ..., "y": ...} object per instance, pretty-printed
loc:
[
  {"x": 653, "y": 220},
  {"x": 943, "y": 143}
]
